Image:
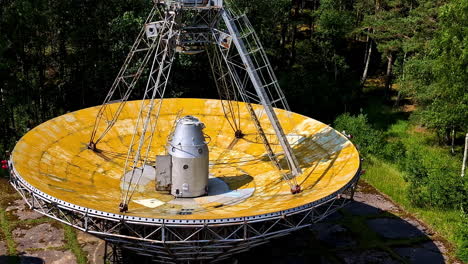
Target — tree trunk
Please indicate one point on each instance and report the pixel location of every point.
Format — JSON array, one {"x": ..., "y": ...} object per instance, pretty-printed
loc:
[
  {"x": 62, "y": 55},
  {"x": 293, "y": 46},
  {"x": 403, "y": 76},
  {"x": 366, "y": 50},
  {"x": 2, "y": 98},
  {"x": 357, "y": 21},
  {"x": 13, "y": 120},
  {"x": 311, "y": 25},
  {"x": 388, "y": 76},
  {"x": 42, "y": 80},
  {"x": 284, "y": 31},
  {"x": 335, "y": 67},
  {"x": 465, "y": 156},
  {"x": 452, "y": 145},
  {"x": 312, "y": 21},
  {"x": 367, "y": 60},
  {"x": 447, "y": 135},
  {"x": 294, "y": 40}
]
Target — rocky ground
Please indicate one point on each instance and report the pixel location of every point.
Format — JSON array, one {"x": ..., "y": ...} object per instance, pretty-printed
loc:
[
  {"x": 370, "y": 230},
  {"x": 28, "y": 237}
]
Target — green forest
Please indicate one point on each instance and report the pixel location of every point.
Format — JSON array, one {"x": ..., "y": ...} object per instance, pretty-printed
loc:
[{"x": 393, "y": 73}]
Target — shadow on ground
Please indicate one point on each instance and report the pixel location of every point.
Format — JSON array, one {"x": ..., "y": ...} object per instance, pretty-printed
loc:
[
  {"x": 22, "y": 260},
  {"x": 358, "y": 233}
]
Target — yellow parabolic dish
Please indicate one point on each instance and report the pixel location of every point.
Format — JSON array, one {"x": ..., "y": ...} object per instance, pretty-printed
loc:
[{"x": 54, "y": 158}]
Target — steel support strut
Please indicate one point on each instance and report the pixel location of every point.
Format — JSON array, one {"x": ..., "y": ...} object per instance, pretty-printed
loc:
[
  {"x": 184, "y": 239},
  {"x": 260, "y": 85},
  {"x": 140, "y": 54},
  {"x": 140, "y": 146}
]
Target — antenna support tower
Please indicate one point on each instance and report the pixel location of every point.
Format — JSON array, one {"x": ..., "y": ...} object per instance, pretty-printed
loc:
[{"x": 271, "y": 171}]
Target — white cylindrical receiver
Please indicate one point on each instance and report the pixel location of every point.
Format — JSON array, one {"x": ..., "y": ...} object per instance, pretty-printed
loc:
[{"x": 190, "y": 158}]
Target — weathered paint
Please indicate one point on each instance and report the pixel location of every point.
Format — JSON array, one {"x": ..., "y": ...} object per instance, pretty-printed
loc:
[{"x": 53, "y": 158}]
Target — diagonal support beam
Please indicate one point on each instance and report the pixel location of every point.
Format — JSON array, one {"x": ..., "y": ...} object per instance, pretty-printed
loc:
[{"x": 261, "y": 92}]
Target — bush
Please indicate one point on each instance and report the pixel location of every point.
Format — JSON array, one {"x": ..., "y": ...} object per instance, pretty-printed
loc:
[
  {"x": 394, "y": 151},
  {"x": 433, "y": 181},
  {"x": 366, "y": 138},
  {"x": 462, "y": 238}
]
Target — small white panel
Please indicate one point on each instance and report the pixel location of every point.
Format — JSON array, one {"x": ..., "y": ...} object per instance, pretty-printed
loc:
[
  {"x": 150, "y": 203},
  {"x": 225, "y": 40},
  {"x": 152, "y": 29},
  {"x": 163, "y": 172},
  {"x": 217, "y": 3},
  {"x": 295, "y": 139}
]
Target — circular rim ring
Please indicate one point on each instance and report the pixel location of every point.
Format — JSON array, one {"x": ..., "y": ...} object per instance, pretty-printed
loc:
[{"x": 158, "y": 221}]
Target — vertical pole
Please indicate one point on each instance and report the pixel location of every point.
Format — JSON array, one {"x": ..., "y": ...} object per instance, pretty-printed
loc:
[
  {"x": 453, "y": 141},
  {"x": 367, "y": 61},
  {"x": 465, "y": 156}
]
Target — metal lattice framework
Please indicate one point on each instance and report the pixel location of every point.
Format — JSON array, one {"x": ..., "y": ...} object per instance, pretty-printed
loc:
[
  {"x": 172, "y": 241},
  {"x": 242, "y": 66},
  {"x": 139, "y": 149},
  {"x": 242, "y": 71},
  {"x": 130, "y": 73}
]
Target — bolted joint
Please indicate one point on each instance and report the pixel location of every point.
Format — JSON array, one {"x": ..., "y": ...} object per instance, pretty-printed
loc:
[
  {"x": 296, "y": 189},
  {"x": 123, "y": 208},
  {"x": 92, "y": 146},
  {"x": 239, "y": 134}
]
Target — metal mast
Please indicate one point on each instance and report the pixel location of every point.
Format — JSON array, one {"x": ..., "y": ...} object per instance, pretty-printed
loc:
[{"x": 240, "y": 66}]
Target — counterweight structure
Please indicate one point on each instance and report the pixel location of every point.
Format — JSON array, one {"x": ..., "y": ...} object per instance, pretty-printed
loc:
[{"x": 303, "y": 172}]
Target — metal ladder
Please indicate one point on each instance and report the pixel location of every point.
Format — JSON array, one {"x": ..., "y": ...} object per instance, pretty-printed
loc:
[
  {"x": 259, "y": 71},
  {"x": 226, "y": 88},
  {"x": 271, "y": 155},
  {"x": 140, "y": 146}
]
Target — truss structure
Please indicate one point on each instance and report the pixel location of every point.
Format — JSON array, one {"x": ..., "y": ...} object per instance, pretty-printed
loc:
[
  {"x": 175, "y": 241},
  {"x": 240, "y": 65},
  {"x": 242, "y": 72}
]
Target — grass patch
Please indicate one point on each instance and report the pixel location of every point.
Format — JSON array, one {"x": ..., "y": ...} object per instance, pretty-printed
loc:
[
  {"x": 386, "y": 178},
  {"x": 61, "y": 248},
  {"x": 7, "y": 234},
  {"x": 73, "y": 245},
  {"x": 37, "y": 221},
  {"x": 27, "y": 224}
]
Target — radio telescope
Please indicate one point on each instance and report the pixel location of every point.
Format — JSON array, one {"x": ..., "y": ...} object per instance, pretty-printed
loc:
[{"x": 188, "y": 179}]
